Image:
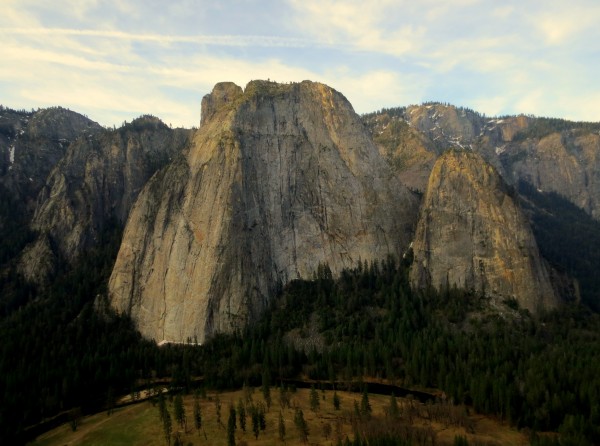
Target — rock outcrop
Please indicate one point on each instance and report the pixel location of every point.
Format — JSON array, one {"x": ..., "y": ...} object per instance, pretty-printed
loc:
[
  {"x": 410, "y": 152},
  {"x": 566, "y": 162},
  {"x": 553, "y": 155},
  {"x": 96, "y": 183},
  {"x": 278, "y": 179},
  {"x": 32, "y": 143},
  {"x": 413, "y": 137},
  {"x": 473, "y": 234}
]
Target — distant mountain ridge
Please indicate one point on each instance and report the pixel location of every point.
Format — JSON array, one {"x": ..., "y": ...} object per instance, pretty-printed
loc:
[{"x": 553, "y": 155}]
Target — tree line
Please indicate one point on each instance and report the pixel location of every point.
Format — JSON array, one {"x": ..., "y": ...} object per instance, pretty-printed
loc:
[{"x": 60, "y": 351}]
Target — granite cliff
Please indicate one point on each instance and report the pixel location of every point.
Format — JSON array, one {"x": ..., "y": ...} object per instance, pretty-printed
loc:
[
  {"x": 93, "y": 185},
  {"x": 472, "y": 234},
  {"x": 278, "y": 179},
  {"x": 32, "y": 143}
]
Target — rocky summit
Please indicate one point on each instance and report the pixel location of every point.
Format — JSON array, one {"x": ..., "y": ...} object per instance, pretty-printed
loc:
[
  {"x": 472, "y": 234},
  {"x": 278, "y": 179}
]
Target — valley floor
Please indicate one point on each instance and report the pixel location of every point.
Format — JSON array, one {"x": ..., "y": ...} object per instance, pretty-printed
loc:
[{"x": 139, "y": 424}]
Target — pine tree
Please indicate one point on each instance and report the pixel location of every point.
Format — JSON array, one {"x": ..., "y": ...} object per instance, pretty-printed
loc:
[
  {"x": 179, "y": 410},
  {"x": 255, "y": 421},
  {"x": 281, "y": 427},
  {"x": 232, "y": 414},
  {"x": 231, "y": 427},
  {"x": 284, "y": 397},
  {"x": 336, "y": 401},
  {"x": 110, "y": 401},
  {"x": 178, "y": 440},
  {"x": 218, "y": 409},
  {"x": 314, "y": 399},
  {"x": 247, "y": 392},
  {"x": 301, "y": 425},
  {"x": 459, "y": 440},
  {"x": 197, "y": 413},
  {"x": 394, "y": 411},
  {"x": 262, "y": 421},
  {"x": 74, "y": 418},
  {"x": 266, "y": 388},
  {"x": 241, "y": 411},
  {"x": 167, "y": 426},
  {"x": 327, "y": 430},
  {"x": 162, "y": 406},
  {"x": 365, "y": 406}
]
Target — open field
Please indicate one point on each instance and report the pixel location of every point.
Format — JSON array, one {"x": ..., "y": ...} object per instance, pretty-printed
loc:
[{"x": 140, "y": 424}]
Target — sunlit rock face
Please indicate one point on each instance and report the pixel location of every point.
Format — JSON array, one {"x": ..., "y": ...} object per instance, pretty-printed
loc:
[
  {"x": 279, "y": 178},
  {"x": 472, "y": 233}
]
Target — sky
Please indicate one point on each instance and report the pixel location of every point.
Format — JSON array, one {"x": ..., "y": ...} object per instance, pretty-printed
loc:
[{"x": 114, "y": 60}]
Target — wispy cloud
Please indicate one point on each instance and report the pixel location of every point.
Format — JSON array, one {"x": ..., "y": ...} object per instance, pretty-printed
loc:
[
  {"x": 559, "y": 23},
  {"x": 358, "y": 25},
  {"x": 116, "y": 59},
  {"x": 219, "y": 40}
]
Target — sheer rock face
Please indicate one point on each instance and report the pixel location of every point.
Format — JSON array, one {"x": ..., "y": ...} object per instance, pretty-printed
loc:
[
  {"x": 278, "y": 179},
  {"x": 31, "y": 145},
  {"x": 97, "y": 182},
  {"x": 472, "y": 233}
]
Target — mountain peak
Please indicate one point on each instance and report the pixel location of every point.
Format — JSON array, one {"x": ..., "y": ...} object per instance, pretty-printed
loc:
[
  {"x": 279, "y": 178},
  {"x": 473, "y": 234},
  {"x": 223, "y": 93}
]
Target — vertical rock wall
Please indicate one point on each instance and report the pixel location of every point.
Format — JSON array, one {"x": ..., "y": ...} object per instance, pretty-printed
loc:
[
  {"x": 279, "y": 178},
  {"x": 472, "y": 234}
]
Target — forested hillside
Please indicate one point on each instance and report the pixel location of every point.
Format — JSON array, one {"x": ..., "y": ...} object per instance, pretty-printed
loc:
[
  {"x": 534, "y": 373},
  {"x": 60, "y": 353}
]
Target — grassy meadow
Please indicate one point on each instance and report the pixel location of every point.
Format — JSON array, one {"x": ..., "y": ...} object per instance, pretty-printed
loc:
[{"x": 140, "y": 424}]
